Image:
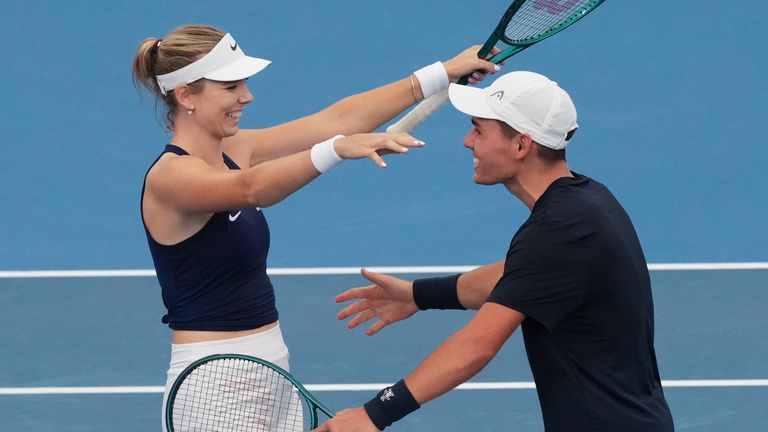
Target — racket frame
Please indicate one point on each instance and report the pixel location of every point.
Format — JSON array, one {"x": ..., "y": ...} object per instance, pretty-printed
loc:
[{"x": 312, "y": 402}]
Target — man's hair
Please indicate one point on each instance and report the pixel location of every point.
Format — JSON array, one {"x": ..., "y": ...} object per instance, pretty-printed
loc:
[{"x": 547, "y": 155}]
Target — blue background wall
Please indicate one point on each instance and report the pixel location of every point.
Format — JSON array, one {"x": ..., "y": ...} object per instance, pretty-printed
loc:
[{"x": 671, "y": 98}]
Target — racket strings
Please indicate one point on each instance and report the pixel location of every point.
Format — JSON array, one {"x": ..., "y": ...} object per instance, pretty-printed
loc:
[
  {"x": 536, "y": 18},
  {"x": 236, "y": 395}
]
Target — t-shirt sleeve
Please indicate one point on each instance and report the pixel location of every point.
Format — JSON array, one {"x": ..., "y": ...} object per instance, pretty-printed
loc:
[{"x": 545, "y": 274}]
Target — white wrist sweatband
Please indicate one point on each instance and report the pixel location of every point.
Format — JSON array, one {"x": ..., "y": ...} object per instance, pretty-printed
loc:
[
  {"x": 323, "y": 155},
  {"x": 432, "y": 78}
]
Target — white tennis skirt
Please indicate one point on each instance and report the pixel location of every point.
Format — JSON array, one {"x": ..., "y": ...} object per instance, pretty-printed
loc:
[{"x": 267, "y": 345}]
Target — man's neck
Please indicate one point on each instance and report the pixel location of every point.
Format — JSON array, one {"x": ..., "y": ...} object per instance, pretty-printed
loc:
[{"x": 530, "y": 184}]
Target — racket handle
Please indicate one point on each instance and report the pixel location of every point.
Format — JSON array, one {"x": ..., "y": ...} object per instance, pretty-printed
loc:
[{"x": 422, "y": 111}]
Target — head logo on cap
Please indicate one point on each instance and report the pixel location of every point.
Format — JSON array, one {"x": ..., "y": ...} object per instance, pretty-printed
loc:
[
  {"x": 233, "y": 47},
  {"x": 498, "y": 95}
]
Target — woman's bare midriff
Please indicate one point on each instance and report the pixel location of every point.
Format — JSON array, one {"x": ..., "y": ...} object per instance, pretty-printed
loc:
[{"x": 191, "y": 336}]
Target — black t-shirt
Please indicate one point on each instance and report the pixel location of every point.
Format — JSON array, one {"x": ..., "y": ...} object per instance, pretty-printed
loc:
[{"x": 577, "y": 271}]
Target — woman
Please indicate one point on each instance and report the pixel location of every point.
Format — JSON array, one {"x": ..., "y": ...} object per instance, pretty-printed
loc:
[{"x": 202, "y": 197}]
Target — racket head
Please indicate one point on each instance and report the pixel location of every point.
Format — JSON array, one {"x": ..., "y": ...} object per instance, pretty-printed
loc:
[
  {"x": 234, "y": 392},
  {"x": 527, "y": 22}
]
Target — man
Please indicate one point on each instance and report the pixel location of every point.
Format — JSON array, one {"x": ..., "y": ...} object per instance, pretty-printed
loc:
[{"x": 575, "y": 278}]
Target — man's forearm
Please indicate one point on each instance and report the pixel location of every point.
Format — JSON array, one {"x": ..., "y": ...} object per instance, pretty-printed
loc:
[{"x": 473, "y": 287}]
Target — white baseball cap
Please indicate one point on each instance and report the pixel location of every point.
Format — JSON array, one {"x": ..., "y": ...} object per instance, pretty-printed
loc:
[
  {"x": 225, "y": 62},
  {"x": 528, "y": 102}
]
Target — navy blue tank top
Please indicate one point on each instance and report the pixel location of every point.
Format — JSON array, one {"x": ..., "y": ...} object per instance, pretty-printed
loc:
[{"x": 216, "y": 280}]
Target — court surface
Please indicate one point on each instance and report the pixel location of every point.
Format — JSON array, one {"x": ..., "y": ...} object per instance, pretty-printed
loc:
[
  {"x": 103, "y": 363},
  {"x": 672, "y": 113}
]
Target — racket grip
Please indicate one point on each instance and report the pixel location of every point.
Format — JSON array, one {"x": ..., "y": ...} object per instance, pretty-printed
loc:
[{"x": 422, "y": 112}]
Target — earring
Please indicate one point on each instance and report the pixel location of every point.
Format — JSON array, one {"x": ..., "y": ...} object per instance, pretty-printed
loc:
[{"x": 189, "y": 111}]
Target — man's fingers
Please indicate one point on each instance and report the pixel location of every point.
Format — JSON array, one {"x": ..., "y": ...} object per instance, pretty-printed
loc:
[
  {"x": 353, "y": 294},
  {"x": 378, "y": 325},
  {"x": 351, "y": 310},
  {"x": 360, "y": 318},
  {"x": 377, "y": 278}
]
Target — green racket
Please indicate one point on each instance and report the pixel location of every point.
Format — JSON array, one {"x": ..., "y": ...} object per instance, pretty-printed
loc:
[
  {"x": 232, "y": 392},
  {"x": 525, "y": 23}
]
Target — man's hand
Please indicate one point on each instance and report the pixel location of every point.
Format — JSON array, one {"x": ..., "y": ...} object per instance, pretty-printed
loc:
[
  {"x": 389, "y": 299},
  {"x": 352, "y": 420}
]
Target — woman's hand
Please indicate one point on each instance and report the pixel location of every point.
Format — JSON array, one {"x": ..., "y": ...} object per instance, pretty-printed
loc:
[
  {"x": 375, "y": 145},
  {"x": 467, "y": 63}
]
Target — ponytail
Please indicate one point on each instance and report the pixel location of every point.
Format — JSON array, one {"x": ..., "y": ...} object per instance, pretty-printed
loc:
[{"x": 145, "y": 65}]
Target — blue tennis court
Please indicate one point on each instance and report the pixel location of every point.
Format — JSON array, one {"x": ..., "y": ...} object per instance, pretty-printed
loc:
[
  {"x": 672, "y": 112},
  {"x": 104, "y": 367}
]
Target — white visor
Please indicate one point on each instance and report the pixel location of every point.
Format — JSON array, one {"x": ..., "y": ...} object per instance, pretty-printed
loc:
[{"x": 225, "y": 62}]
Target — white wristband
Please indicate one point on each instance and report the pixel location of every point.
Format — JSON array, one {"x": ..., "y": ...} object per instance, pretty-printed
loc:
[
  {"x": 432, "y": 78},
  {"x": 323, "y": 155}
]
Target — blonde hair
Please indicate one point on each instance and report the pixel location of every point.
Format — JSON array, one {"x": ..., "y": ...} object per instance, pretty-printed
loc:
[{"x": 161, "y": 56}]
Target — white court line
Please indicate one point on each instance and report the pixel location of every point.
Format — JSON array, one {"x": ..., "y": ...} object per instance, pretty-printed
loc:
[
  {"x": 710, "y": 266},
  {"x": 522, "y": 385},
  {"x": 308, "y": 271}
]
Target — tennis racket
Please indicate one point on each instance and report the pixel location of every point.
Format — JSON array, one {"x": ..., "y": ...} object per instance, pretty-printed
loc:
[
  {"x": 525, "y": 23},
  {"x": 233, "y": 392}
]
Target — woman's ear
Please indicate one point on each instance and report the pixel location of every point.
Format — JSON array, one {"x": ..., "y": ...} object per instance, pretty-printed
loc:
[{"x": 182, "y": 93}]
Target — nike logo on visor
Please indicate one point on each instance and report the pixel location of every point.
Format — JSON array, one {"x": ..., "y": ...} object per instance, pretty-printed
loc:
[{"x": 234, "y": 217}]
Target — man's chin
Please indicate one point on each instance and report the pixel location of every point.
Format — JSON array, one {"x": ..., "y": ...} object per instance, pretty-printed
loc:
[{"x": 481, "y": 181}]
